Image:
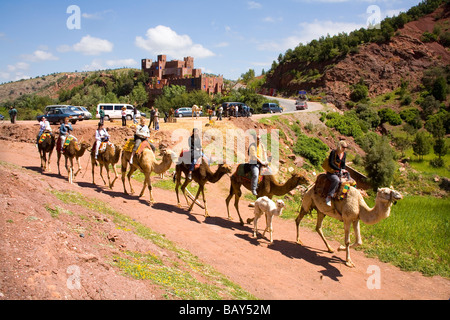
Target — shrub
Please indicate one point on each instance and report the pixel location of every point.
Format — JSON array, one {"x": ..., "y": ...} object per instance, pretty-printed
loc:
[
  {"x": 412, "y": 117},
  {"x": 345, "y": 124},
  {"x": 360, "y": 92},
  {"x": 379, "y": 163},
  {"x": 312, "y": 149},
  {"x": 390, "y": 116},
  {"x": 422, "y": 144}
]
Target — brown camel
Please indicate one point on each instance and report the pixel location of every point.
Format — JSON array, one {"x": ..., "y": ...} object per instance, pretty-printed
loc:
[
  {"x": 73, "y": 150},
  {"x": 350, "y": 211},
  {"x": 45, "y": 147},
  {"x": 146, "y": 163},
  {"x": 110, "y": 156},
  {"x": 201, "y": 175},
  {"x": 267, "y": 187}
]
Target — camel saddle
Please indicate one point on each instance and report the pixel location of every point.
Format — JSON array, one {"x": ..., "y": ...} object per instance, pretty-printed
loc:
[
  {"x": 129, "y": 145},
  {"x": 103, "y": 146},
  {"x": 243, "y": 171},
  {"x": 322, "y": 186},
  {"x": 187, "y": 154},
  {"x": 44, "y": 135},
  {"x": 66, "y": 143}
]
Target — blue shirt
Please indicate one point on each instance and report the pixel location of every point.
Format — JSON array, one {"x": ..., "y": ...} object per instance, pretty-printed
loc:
[{"x": 65, "y": 129}]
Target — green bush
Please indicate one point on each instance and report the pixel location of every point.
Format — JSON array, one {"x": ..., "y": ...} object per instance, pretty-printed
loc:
[
  {"x": 412, "y": 117},
  {"x": 360, "y": 92},
  {"x": 379, "y": 163},
  {"x": 390, "y": 116},
  {"x": 312, "y": 149},
  {"x": 345, "y": 124}
]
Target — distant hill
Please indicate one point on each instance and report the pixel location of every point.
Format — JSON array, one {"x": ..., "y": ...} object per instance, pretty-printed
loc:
[{"x": 381, "y": 63}]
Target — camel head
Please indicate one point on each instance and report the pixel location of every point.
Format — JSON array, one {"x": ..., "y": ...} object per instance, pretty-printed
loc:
[
  {"x": 388, "y": 195},
  {"x": 226, "y": 169},
  {"x": 280, "y": 205},
  {"x": 301, "y": 178}
]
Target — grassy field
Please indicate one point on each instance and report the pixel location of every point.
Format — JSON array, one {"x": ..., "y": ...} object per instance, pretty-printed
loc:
[{"x": 415, "y": 237}]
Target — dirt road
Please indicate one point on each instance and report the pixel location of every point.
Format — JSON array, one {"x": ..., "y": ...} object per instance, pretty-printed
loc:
[{"x": 280, "y": 271}]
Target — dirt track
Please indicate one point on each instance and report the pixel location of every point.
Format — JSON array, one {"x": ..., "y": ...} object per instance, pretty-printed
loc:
[{"x": 281, "y": 271}]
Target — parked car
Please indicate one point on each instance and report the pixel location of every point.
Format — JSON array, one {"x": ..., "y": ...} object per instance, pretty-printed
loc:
[
  {"x": 66, "y": 106},
  {"x": 114, "y": 111},
  {"x": 57, "y": 115},
  {"x": 185, "y": 112},
  {"x": 87, "y": 114},
  {"x": 301, "y": 105},
  {"x": 271, "y": 108}
]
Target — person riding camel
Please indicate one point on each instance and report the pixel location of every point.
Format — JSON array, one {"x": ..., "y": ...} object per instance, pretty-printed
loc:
[
  {"x": 334, "y": 165},
  {"x": 195, "y": 147},
  {"x": 64, "y": 130},
  {"x": 101, "y": 135},
  {"x": 142, "y": 134},
  {"x": 257, "y": 160},
  {"x": 44, "y": 126}
]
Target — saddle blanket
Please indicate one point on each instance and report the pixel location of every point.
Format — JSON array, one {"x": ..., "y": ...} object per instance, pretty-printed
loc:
[
  {"x": 244, "y": 171},
  {"x": 187, "y": 156},
  {"x": 322, "y": 186},
  {"x": 103, "y": 146},
  {"x": 129, "y": 145},
  {"x": 44, "y": 136},
  {"x": 66, "y": 142}
]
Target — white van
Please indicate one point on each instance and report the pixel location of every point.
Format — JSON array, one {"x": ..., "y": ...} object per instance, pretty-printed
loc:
[{"x": 114, "y": 111}]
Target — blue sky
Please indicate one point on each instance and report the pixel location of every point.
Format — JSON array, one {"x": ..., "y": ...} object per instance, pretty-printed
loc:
[{"x": 225, "y": 37}]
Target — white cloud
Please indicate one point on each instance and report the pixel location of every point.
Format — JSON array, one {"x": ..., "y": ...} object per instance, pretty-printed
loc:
[
  {"x": 222, "y": 45},
  {"x": 254, "y": 5},
  {"x": 163, "y": 40},
  {"x": 309, "y": 31},
  {"x": 18, "y": 66},
  {"x": 39, "y": 55},
  {"x": 121, "y": 63},
  {"x": 96, "y": 64},
  {"x": 91, "y": 46}
]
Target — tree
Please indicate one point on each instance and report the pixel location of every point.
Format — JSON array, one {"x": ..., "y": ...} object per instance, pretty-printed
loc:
[
  {"x": 139, "y": 95},
  {"x": 439, "y": 90},
  {"x": 422, "y": 144},
  {"x": 360, "y": 92},
  {"x": 379, "y": 163}
]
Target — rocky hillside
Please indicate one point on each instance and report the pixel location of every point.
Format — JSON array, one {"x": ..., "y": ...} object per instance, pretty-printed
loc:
[{"x": 382, "y": 65}]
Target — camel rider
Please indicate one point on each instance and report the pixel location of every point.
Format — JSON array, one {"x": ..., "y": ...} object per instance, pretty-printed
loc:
[
  {"x": 64, "y": 130},
  {"x": 257, "y": 159},
  {"x": 101, "y": 135},
  {"x": 335, "y": 168},
  {"x": 142, "y": 134},
  {"x": 44, "y": 126},
  {"x": 195, "y": 147}
]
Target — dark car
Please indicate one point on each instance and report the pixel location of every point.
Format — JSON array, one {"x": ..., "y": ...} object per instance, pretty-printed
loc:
[
  {"x": 301, "y": 105},
  {"x": 243, "y": 109},
  {"x": 57, "y": 115},
  {"x": 271, "y": 108}
]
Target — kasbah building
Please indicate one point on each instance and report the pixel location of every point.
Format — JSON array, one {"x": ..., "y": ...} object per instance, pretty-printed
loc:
[{"x": 176, "y": 72}]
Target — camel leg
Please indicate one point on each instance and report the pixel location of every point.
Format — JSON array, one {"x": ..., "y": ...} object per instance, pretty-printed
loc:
[
  {"x": 183, "y": 189},
  {"x": 358, "y": 240},
  {"x": 204, "y": 201},
  {"x": 101, "y": 173},
  {"x": 320, "y": 217},
  {"x": 78, "y": 165},
  {"x": 115, "y": 174},
  {"x": 149, "y": 183},
  {"x": 299, "y": 218},
  {"x": 196, "y": 197},
  {"x": 227, "y": 201},
  {"x": 269, "y": 219},
  {"x": 48, "y": 161},
  {"x": 107, "y": 174},
  {"x": 130, "y": 173},
  {"x": 57, "y": 162},
  {"x": 236, "y": 205},
  {"x": 255, "y": 226},
  {"x": 348, "y": 261},
  {"x": 123, "y": 170},
  {"x": 177, "y": 185},
  {"x": 93, "y": 169}
]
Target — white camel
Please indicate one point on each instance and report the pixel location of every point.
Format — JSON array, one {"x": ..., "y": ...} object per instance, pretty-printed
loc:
[{"x": 264, "y": 205}]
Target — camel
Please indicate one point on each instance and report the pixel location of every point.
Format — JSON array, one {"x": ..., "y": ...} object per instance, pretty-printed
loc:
[
  {"x": 73, "y": 150},
  {"x": 267, "y": 187},
  {"x": 45, "y": 147},
  {"x": 146, "y": 163},
  {"x": 109, "y": 157},
  {"x": 202, "y": 175},
  {"x": 350, "y": 210}
]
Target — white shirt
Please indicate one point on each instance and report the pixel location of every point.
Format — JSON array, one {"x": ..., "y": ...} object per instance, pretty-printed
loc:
[
  {"x": 100, "y": 134},
  {"x": 44, "y": 125},
  {"x": 142, "y": 131}
]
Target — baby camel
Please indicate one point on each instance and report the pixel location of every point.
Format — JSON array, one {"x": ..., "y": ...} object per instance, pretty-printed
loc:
[{"x": 266, "y": 206}]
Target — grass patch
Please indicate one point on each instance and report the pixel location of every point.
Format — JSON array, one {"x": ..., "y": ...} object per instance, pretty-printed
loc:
[{"x": 184, "y": 278}]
